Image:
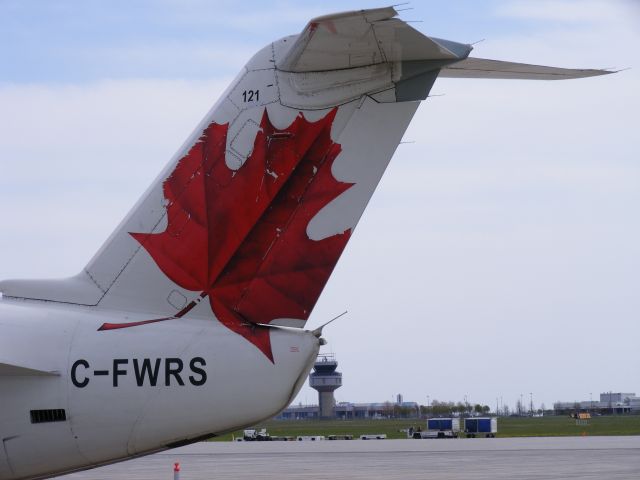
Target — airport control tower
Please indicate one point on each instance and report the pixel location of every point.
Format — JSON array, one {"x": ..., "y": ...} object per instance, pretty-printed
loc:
[{"x": 325, "y": 380}]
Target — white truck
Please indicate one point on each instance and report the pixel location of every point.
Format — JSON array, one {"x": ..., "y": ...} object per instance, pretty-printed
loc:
[{"x": 253, "y": 435}]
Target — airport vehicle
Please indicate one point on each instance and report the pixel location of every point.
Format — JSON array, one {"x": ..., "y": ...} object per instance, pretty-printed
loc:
[
  {"x": 253, "y": 435},
  {"x": 443, "y": 427},
  {"x": 479, "y": 426},
  {"x": 438, "y": 428},
  {"x": 189, "y": 321}
]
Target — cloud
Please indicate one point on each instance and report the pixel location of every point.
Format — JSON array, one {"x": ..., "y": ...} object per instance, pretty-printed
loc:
[
  {"x": 581, "y": 34},
  {"x": 147, "y": 39},
  {"x": 579, "y": 12},
  {"x": 74, "y": 159},
  {"x": 259, "y": 17}
]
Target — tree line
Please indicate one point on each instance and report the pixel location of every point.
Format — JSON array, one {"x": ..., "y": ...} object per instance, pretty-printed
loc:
[
  {"x": 435, "y": 408},
  {"x": 450, "y": 408}
]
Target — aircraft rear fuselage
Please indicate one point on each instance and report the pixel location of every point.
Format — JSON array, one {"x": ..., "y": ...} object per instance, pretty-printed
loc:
[{"x": 86, "y": 397}]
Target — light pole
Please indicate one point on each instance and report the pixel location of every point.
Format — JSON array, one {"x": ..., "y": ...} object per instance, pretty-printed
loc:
[{"x": 531, "y": 403}]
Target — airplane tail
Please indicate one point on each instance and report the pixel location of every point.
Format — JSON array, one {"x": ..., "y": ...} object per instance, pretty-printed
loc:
[{"x": 249, "y": 218}]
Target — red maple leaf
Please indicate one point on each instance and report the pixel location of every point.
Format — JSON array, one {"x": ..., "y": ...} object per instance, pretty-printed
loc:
[{"x": 239, "y": 237}]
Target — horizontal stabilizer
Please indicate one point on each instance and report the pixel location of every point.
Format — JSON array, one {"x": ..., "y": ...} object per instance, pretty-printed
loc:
[
  {"x": 484, "y": 68},
  {"x": 10, "y": 370},
  {"x": 361, "y": 38}
]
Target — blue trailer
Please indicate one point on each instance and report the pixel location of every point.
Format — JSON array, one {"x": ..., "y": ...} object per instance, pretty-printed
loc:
[
  {"x": 441, "y": 423},
  {"x": 439, "y": 428},
  {"x": 479, "y": 426}
]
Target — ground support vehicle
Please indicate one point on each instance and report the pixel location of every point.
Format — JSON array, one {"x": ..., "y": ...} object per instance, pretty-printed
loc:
[{"x": 481, "y": 426}]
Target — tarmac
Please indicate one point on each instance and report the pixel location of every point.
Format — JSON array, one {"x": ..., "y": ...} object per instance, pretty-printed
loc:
[{"x": 607, "y": 458}]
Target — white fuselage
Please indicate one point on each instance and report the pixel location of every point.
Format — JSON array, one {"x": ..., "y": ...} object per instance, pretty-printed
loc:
[{"x": 132, "y": 391}]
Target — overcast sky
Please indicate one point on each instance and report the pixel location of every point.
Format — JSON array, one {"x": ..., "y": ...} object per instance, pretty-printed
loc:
[{"x": 501, "y": 252}]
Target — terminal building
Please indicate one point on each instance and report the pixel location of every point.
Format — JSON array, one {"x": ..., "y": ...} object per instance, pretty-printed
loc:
[
  {"x": 348, "y": 411},
  {"x": 609, "y": 403}
]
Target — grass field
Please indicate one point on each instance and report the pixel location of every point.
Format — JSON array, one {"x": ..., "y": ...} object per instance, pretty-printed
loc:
[{"x": 507, "y": 427}]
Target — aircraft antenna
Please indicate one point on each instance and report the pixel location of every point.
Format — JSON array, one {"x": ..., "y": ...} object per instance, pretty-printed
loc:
[{"x": 318, "y": 331}]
